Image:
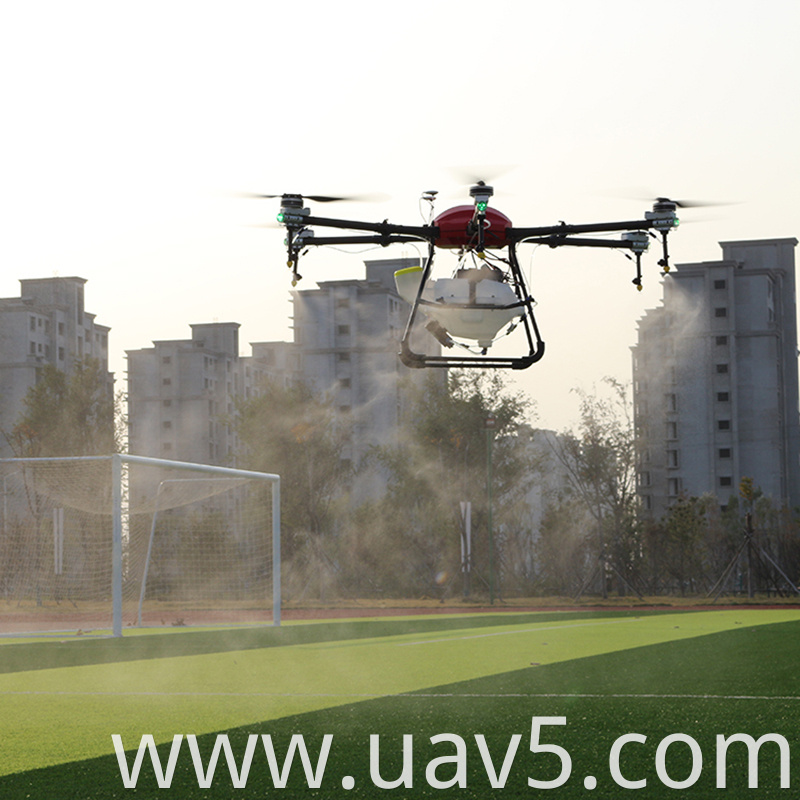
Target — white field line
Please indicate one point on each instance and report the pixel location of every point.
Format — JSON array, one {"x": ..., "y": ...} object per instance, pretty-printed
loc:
[
  {"x": 539, "y": 628},
  {"x": 422, "y": 695}
]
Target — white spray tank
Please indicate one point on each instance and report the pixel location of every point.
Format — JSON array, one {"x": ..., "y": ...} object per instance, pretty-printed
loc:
[{"x": 475, "y": 304}]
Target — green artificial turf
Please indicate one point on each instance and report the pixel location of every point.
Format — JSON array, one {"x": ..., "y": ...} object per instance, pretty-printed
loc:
[{"x": 607, "y": 674}]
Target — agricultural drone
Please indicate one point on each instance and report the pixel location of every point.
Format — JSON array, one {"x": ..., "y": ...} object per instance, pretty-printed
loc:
[{"x": 485, "y": 297}]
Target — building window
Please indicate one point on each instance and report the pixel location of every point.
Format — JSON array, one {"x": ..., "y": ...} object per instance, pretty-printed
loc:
[
  {"x": 722, "y": 340},
  {"x": 722, "y": 369},
  {"x": 672, "y": 430},
  {"x": 724, "y": 452},
  {"x": 60, "y": 353},
  {"x": 671, "y": 401},
  {"x": 672, "y": 459},
  {"x": 343, "y": 356},
  {"x": 723, "y": 397},
  {"x": 721, "y": 312},
  {"x": 726, "y": 480},
  {"x": 33, "y": 348},
  {"x": 166, "y": 381},
  {"x": 166, "y": 424},
  {"x": 674, "y": 487},
  {"x": 719, "y": 284},
  {"x": 343, "y": 330},
  {"x": 60, "y": 328},
  {"x": 723, "y": 424},
  {"x": 344, "y": 383},
  {"x": 166, "y": 359},
  {"x": 644, "y": 479},
  {"x": 343, "y": 302},
  {"x": 33, "y": 323},
  {"x": 166, "y": 403}
]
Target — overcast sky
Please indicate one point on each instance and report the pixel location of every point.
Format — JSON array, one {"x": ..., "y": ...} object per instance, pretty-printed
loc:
[{"x": 127, "y": 127}]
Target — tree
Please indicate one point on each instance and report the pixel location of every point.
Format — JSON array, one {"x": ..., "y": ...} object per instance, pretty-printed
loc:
[
  {"x": 599, "y": 461},
  {"x": 684, "y": 529},
  {"x": 64, "y": 414},
  {"x": 296, "y": 433},
  {"x": 563, "y": 549},
  {"x": 67, "y": 414},
  {"x": 442, "y": 460}
]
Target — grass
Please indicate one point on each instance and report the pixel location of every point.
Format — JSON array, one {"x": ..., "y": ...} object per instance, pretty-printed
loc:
[{"x": 609, "y": 673}]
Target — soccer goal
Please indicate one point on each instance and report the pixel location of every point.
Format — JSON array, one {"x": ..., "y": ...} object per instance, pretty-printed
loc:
[{"x": 112, "y": 542}]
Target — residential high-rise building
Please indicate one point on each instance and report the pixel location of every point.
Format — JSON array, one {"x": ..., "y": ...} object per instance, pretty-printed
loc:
[
  {"x": 348, "y": 334},
  {"x": 716, "y": 379},
  {"x": 181, "y": 393},
  {"x": 46, "y": 324},
  {"x": 346, "y": 340}
]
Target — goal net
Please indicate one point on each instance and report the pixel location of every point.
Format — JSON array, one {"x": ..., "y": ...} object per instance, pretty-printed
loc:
[{"x": 119, "y": 541}]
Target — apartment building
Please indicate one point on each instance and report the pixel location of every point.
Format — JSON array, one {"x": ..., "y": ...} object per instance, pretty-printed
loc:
[
  {"x": 348, "y": 336},
  {"x": 181, "y": 392},
  {"x": 346, "y": 340},
  {"x": 716, "y": 379},
  {"x": 46, "y": 324}
]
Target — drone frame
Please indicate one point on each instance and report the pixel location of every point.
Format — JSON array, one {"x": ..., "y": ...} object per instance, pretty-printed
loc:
[
  {"x": 299, "y": 222},
  {"x": 524, "y": 301}
]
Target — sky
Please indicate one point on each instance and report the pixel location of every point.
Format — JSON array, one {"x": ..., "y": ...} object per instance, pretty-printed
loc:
[{"x": 129, "y": 129}]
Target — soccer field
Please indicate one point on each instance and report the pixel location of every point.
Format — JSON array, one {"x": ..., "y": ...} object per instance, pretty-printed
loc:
[{"x": 462, "y": 705}]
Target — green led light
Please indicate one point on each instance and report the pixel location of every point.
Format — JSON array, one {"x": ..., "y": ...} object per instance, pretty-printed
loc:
[
  {"x": 482, "y": 206},
  {"x": 280, "y": 217},
  {"x": 676, "y": 222}
]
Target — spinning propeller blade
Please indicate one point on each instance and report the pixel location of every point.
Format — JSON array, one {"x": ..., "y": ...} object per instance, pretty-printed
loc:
[
  {"x": 322, "y": 198},
  {"x": 689, "y": 203}
]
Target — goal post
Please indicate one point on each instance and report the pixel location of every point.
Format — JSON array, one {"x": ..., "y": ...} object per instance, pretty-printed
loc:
[{"x": 192, "y": 543}]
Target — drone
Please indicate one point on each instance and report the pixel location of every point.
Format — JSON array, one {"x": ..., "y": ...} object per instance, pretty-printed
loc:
[{"x": 486, "y": 296}]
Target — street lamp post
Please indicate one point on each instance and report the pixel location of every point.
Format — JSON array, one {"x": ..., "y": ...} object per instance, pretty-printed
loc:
[{"x": 490, "y": 423}]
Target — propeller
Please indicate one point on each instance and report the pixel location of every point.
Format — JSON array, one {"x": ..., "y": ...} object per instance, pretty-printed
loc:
[
  {"x": 480, "y": 173},
  {"x": 689, "y": 203},
  {"x": 646, "y": 195},
  {"x": 321, "y": 198}
]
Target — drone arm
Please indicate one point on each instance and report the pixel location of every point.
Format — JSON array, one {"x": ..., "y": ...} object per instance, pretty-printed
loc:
[
  {"x": 426, "y": 232},
  {"x": 564, "y": 230},
  {"x": 299, "y": 234},
  {"x": 560, "y": 241},
  {"x": 383, "y": 241}
]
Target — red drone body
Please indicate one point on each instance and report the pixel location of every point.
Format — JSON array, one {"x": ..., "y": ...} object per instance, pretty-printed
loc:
[{"x": 456, "y": 228}]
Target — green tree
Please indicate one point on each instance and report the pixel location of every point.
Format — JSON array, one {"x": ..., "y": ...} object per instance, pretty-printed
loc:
[
  {"x": 563, "y": 548},
  {"x": 68, "y": 414},
  {"x": 442, "y": 460},
  {"x": 684, "y": 530},
  {"x": 296, "y": 433}
]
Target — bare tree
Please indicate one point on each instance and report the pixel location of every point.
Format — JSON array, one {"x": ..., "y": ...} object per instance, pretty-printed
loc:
[{"x": 599, "y": 462}]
